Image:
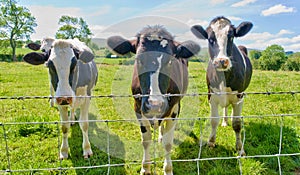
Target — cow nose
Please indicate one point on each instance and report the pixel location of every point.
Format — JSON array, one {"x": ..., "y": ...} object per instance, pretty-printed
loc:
[
  {"x": 222, "y": 63},
  {"x": 64, "y": 100},
  {"x": 156, "y": 105}
]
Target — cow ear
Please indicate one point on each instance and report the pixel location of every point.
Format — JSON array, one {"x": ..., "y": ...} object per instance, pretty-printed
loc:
[
  {"x": 243, "y": 29},
  {"x": 187, "y": 49},
  {"x": 121, "y": 45},
  {"x": 34, "y": 46},
  {"x": 199, "y": 32},
  {"x": 35, "y": 58},
  {"x": 86, "y": 56}
]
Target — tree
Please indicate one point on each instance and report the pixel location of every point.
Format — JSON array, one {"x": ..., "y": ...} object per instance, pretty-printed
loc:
[
  {"x": 16, "y": 23},
  {"x": 72, "y": 27},
  {"x": 254, "y": 54},
  {"x": 272, "y": 58},
  {"x": 293, "y": 62}
]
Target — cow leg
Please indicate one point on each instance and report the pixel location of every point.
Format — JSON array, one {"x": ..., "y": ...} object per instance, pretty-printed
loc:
[
  {"x": 72, "y": 116},
  {"x": 237, "y": 125},
  {"x": 146, "y": 142},
  {"x": 51, "y": 95},
  {"x": 84, "y": 124},
  {"x": 63, "y": 110},
  {"x": 167, "y": 141},
  {"x": 225, "y": 117},
  {"x": 214, "y": 120}
]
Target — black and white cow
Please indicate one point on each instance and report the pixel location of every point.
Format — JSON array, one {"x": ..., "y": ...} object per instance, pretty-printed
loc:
[
  {"x": 229, "y": 72},
  {"x": 73, "y": 73},
  {"x": 161, "y": 67}
]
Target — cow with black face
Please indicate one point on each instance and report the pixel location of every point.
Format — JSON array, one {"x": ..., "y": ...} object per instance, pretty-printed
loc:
[
  {"x": 160, "y": 68},
  {"x": 229, "y": 72},
  {"x": 72, "y": 73}
]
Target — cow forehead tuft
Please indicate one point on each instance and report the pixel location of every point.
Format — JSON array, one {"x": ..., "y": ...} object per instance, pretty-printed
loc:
[
  {"x": 61, "y": 44},
  {"x": 220, "y": 24},
  {"x": 156, "y": 31}
]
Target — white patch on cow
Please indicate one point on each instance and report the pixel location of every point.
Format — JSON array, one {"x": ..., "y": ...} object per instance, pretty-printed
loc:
[
  {"x": 61, "y": 55},
  {"x": 244, "y": 60},
  {"x": 46, "y": 44},
  {"x": 155, "y": 92},
  {"x": 221, "y": 28},
  {"x": 81, "y": 92},
  {"x": 163, "y": 43},
  {"x": 222, "y": 98}
]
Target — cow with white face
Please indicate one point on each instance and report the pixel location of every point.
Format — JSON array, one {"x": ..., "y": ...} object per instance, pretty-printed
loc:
[
  {"x": 160, "y": 68},
  {"x": 229, "y": 72},
  {"x": 73, "y": 73}
]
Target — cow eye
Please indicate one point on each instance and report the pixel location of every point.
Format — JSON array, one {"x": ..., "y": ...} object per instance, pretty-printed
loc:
[{"x": 211, "y": 41}]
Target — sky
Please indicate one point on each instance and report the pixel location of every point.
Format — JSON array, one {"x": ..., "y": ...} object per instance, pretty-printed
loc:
[{"x": 274, "y": 21}]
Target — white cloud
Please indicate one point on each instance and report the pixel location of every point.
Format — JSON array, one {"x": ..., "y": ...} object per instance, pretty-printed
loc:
[
  {"x": 284, "y": 32},
  {"x": 276, "y": 9},
  {"x": 100, "y": 11},
  {"x": 265, "y": 39},
  {"x": 192, "y": 22},
  {"x": 47, "y": 18},
  {"x": 243, "y": 3},
  {"x": 234, "y": 18},
  {"x": 217, "y": 1}
]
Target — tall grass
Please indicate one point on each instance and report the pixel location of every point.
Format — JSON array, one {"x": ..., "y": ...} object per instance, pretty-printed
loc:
[{"x": 36, "y": 146}]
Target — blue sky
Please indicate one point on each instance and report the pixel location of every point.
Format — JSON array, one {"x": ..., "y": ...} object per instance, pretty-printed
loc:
[{"x": 275, "y": 22}]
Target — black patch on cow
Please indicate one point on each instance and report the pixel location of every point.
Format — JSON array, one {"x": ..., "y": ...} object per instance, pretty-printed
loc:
[
  {"x": 53, "y": 74},
  {"x": 72, "y": 68},
  {"x": 143, "y": 129},
  {"x": 173, "y": 116}
]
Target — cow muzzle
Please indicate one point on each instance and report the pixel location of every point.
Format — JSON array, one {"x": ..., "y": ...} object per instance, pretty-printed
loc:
[
  {"x": 154, "y": 107},
  {"x": 222, "y": 64},
  {"x": 64, "y": 100}
]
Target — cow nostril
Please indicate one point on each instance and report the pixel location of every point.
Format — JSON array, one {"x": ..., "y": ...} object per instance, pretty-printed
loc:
[
  {"x": 64, "y": 100},
  {"x": 155, "y": 102}
]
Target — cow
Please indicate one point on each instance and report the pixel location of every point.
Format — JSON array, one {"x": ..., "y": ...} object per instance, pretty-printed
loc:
[
  {"x": 160, "y": 68},
  {"x": 72, "y": 73},
  {"x": 228, "y": 73}
]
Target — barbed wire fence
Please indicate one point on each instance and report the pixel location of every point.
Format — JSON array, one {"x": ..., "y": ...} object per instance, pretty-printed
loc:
[{"x": 109, "y": 165}]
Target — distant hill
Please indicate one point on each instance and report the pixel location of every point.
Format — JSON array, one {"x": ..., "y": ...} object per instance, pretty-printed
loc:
[{"x": 101, "y": 42}]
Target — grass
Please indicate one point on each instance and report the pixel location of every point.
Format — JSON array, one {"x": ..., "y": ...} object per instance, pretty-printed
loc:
[{"x": 36, "y": 146}]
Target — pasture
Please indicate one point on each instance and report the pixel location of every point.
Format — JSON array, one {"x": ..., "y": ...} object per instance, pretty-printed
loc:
[{"x": 30, "y": 131}]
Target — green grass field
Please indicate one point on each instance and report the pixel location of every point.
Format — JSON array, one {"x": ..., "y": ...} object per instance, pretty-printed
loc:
[{"x": 33, "y": 146}]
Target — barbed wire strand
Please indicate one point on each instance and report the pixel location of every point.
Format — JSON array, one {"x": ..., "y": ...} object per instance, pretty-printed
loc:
[{"x": 147, "y": 95}]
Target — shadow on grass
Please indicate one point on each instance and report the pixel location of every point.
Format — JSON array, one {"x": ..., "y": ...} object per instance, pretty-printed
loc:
[
  {"x": 264, "y": 139},
  {"x": 261, "y": 139},
  {"x": 189, "y": 150},
  {"x": 98, "y": 163}
]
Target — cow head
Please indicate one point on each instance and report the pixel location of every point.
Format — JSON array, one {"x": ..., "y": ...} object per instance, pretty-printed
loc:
[
  {"x": 155, "y": 51},
  {"x": 45, "y": 45},
  {"x": 220, "y": 34},
  {"x": 61, "y": 59}
]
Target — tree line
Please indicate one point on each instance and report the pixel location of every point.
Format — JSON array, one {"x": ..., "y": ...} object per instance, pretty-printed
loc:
[
  {"x": 275, "y": 58},
  {"x": 17, "y": 24}
]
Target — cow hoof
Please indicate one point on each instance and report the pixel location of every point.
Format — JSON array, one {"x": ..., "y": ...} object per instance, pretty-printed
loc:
[
  {"x": 224, "y": 124},
  {"x": 143, "y": 172},
  {"x": 242, "y": 153},
  {"x": 63, "y": 156},
  {"x": 87, "y": 154},
  {"x": 211, "y": 144}
]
